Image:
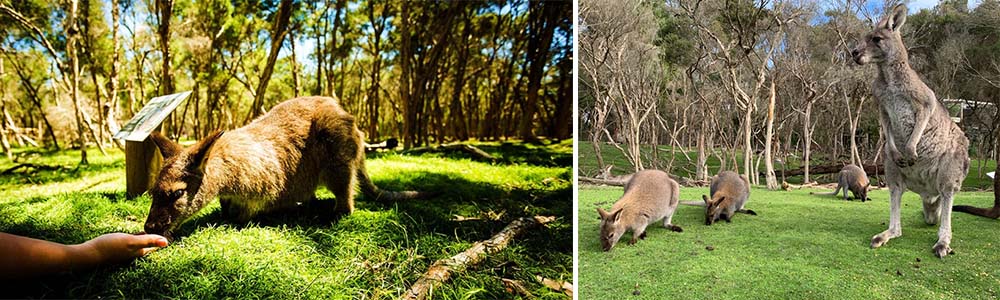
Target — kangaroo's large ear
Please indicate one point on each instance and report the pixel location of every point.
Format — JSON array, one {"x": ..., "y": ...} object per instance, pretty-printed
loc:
[
  {"x": 894, "y": 20},
  {"x": 703, "y": 197},
  {"x": 199, "y": 150},
  {"x": 167, "y": 147}
]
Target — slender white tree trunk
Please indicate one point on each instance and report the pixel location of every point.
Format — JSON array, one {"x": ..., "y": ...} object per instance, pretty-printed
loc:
[{"x": 772, "y": 183}]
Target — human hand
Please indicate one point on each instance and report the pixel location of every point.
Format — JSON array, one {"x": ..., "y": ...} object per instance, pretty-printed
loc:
[{"x": 120, "y": 247}]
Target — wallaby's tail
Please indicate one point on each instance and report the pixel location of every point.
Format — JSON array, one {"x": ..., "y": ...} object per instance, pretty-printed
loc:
[
  {"x": 833, "y": 193},
  {"x": 373, "y": 192},
  {"x": 992, "y": 213}
]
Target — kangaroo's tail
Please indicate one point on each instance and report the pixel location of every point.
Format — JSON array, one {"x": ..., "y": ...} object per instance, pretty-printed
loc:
[
  {"x": 992, "y": 213},
  {"x": 375, "y": 193}
]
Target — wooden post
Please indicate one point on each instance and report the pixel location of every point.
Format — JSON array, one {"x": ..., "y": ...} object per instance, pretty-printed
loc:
[{"x": 142, "y": 164}]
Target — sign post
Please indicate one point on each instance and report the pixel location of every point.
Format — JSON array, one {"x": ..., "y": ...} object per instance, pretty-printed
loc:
[{"x": 142, "y": 159}]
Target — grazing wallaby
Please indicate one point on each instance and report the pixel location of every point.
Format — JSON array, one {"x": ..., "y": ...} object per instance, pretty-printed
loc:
[
  {"x": 924, "y": 151},
  {"x": 851, "y": 178},
  {"x": 273, "y": 163},
  {"x": 729, "y": 193},
  {"x": 650, "y": 196}
]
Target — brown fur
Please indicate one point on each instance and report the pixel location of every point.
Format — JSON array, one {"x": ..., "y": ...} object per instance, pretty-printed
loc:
[
  {"x": 851, "y": 178},
  {"x": 650, "y": 196},
  {"x": 729, "y": 193},
  {"x": 273, "y": 163}
]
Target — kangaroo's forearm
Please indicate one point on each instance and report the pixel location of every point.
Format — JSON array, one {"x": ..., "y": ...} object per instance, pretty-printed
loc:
[
  {"x": 883, "y": 121},
  {"x": 924, "y": 110}
]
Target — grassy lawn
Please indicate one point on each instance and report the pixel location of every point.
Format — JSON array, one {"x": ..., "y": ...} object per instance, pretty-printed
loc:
[
  {"x": 375, "y": 253},
  {"x": 684, "y": 168},
  {"x": 800, "y": 246}
]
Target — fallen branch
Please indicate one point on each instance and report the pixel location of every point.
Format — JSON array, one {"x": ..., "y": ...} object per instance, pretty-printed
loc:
[
  {"x": 560, "y": 286},
  {"x": 516, "y": 287},
  {"x": 465, "y": 148},
  {"x": 872, "y": 170},
  {"x": 441, "y": 270},
  {"x": 32, "y": 166},
  {"x": 621, "y": 180},
  {"x": 611, "y": 182}
]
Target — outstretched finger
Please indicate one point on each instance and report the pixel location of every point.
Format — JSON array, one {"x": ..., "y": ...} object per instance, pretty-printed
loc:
[{"x": 148, "y": 241}]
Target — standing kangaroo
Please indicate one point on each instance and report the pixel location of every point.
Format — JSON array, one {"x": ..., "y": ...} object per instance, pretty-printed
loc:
[
  {"x": 924, "y": 151},
  {"x": 650, "y": 196},
  {"x": 851, "y": 178},
  {"x": 729, "y": 193},
  {"x": 273, "y": 163}
]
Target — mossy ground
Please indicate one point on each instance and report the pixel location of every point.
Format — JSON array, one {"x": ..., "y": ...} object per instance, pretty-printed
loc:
[{"x": 375, "y": 253}]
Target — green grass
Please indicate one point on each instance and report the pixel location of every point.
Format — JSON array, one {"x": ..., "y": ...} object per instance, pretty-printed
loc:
[
  {"x": 375, "y": 253},
  {"x": 684, "y": 168},
  {"x": 800, "y": 246}
]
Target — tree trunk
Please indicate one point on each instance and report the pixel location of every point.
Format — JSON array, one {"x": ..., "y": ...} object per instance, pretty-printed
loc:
[
  {"x": 165, "y": 9},
  {"x": 295, "y": 66},
  {"x": 72, "y": 41},
  {"x": 701, "y": 169},
  {"x": 405, "y": 55},
  {"x": 772, "y": 182},
  {"x": 748, "y": 147},
  {"x": 542, "y": 23},
  {"x": 278, "y": 31},
  {"x": 807, "y": 139}
]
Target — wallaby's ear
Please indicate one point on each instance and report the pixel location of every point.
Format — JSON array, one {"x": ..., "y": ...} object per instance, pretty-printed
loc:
[
  {"x": 199, "y": 150},
  {"x": 602, "y": 213},
  {"x": 167, "y": 147},
  {"x": 703, "y": 197},
  {"x": 617, "y": 215}
]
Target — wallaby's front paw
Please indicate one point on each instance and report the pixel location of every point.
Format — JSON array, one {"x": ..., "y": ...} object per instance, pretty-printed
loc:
[
  {"x": 632, "y": 241},
  {"x": 642, "y": 236},
  {"x": 676, "y": 228},
  {"x": 941, "y": 250}
]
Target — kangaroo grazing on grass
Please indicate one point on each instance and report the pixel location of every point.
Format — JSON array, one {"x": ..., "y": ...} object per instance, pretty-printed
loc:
[
  {"x": 924, "y": 151},
  {"x": 651, "y": 195},
  {"x": 729, "y": 193},
  {"x": 273, "y": 163},
  {"x": 851, "y": 178}
]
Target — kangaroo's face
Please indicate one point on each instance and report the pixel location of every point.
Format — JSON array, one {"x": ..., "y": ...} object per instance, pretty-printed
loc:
[
  {"x": 176, "y": 187},
  {"x": 611, "y": 228},
  {"x": 713, "y": 209},
  {"x": 884, "y": 43}
]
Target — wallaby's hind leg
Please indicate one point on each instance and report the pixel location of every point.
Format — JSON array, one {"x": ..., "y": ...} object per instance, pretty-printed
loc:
[
  {"x": 943, "y": 245},
  {"x": 341, "y": 181},
  {"x": 932, "y": 209},
  {"x": 896, "y": 188},
  {"x": 667, "y": 223},
  {"x": 843, "y": 185}
]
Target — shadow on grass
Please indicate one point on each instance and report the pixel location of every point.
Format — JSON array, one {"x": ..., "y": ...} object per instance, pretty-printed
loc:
[
  {"x": 507, "y": 153},
  {"x": 62, "y": 174},
  {"x": 485, "y": 207}
]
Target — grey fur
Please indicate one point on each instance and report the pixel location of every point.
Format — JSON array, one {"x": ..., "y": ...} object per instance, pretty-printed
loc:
[{"x": 925, "y": 151}]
